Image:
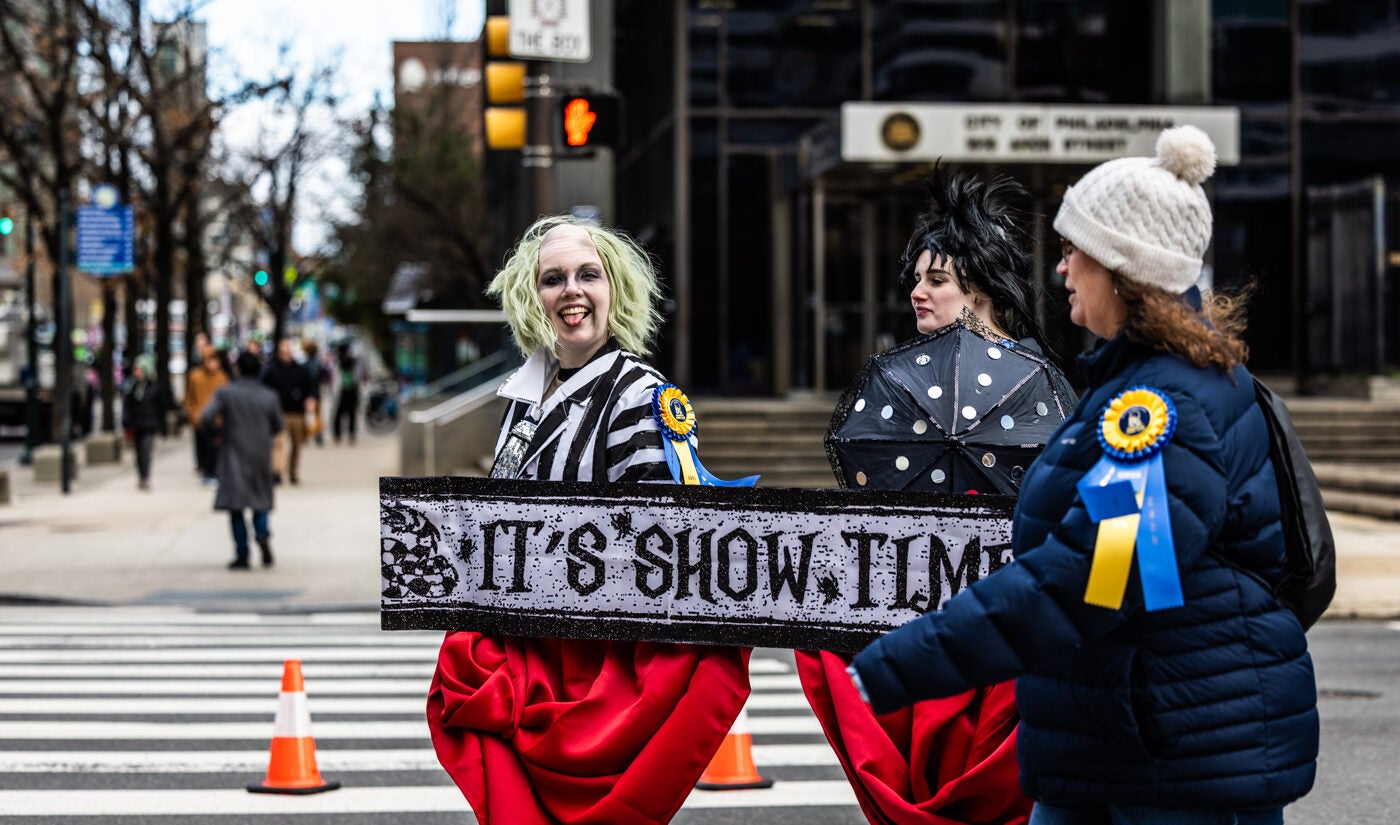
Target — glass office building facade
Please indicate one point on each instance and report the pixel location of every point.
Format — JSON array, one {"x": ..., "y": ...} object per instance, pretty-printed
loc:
[{"x": 782, "y": 260}]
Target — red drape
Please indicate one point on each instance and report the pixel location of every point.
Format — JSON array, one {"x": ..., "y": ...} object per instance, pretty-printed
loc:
[
  {"x": 546, "y": 731},
  {"x": 940, "y": 762}
]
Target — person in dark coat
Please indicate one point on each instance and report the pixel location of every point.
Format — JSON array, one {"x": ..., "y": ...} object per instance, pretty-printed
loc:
[
  {"x": 1160, "y": 681},
  {"x": 296, "y": 391},
  {"x": 143, "y": 415},
  {"x": 251, "y": 417}
]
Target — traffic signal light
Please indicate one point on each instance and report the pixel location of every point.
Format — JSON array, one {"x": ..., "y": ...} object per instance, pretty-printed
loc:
[
  {"x": 590, "y": 120},
  {"x": 505, "y": 89},
  {"x": 260, "y": 277},
  {"x": 7, "y": 227}
]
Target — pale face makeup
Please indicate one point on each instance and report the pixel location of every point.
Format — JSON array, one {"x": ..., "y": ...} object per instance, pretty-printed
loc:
[
  {"x": 938, "y": 299},
  {"x": 573, "y": 287}
]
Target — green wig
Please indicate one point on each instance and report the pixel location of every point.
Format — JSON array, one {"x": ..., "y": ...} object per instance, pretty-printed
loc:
[{"x": 632, "y": 318}]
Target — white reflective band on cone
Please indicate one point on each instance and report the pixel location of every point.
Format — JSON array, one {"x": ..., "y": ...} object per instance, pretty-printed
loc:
[{"x": 293, "y": 718}]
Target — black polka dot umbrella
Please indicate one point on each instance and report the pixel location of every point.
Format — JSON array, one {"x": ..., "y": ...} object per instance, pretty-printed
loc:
[{"x": 954, "y": 411}]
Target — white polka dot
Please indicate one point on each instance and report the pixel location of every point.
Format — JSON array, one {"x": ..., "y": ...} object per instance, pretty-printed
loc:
[
  {"x": 935, "y": 392},
  {"x": 901, "y": 464},
  {"x": 984, "y": 379},
  {"x": 1041, "y": 409},
  {"x": 860, "y": 404},
  {"x": 886, "y": 412},
  {"x": 969, "y": 413},
  {"x": 1007, "y": 422},
  {"x": 937, "y": 476},
  {"x": 994, "y": 353},
  {"x": 860, "y": 479},
  {"x": 920, "y": 427}
]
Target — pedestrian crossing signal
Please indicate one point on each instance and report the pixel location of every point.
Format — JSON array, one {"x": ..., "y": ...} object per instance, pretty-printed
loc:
[
  {"x": 7, "y": 225},
  {"x": 590, "y": 120}
]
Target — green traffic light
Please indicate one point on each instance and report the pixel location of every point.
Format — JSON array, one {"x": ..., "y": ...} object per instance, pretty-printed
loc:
[
  {"x": 7, "y": 225},
  {"x": 260, "y": 277}
]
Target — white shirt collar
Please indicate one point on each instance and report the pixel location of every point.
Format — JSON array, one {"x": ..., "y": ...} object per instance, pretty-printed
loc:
[{"x": 527, "y": 384}]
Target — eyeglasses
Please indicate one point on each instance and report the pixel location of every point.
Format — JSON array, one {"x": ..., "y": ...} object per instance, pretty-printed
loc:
[{"x": 1066, "y": 249}]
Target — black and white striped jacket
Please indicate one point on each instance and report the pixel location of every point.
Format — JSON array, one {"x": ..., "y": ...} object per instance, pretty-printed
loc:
[{"x": 598, "y": 425}]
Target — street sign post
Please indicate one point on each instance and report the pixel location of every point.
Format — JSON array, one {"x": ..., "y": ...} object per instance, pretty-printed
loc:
[
  {"x": 106, "y": 235},
  {"x": 550, "y": 30}
]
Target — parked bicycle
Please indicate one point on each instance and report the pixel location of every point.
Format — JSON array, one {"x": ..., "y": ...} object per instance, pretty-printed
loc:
[{"x": 382, "y": 407}]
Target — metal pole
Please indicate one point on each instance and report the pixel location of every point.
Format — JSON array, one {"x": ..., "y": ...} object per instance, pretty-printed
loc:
[
  {"x": 31, "y": 348},
  {"x": 537, "y": 156},
  {"x": 1378, "y": 272},
  {"x": 680, "y": 266},
  {"x": 63, "y": 347},
  {"x": 1302, "y": 350}
]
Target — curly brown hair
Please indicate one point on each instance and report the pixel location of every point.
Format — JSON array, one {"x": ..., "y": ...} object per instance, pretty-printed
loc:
[{"x": 1164, "y": 322}]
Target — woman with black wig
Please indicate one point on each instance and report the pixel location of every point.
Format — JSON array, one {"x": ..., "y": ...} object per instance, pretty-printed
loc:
[{"x": 950, "y": 760}]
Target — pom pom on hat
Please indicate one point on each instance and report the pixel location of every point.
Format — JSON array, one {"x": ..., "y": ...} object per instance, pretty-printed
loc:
[
  {"x": 1146, "y": 219},
  {"x": 1186, "y": 152}
]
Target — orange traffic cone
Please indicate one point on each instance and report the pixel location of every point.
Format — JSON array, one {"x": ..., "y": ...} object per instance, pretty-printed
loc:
[
  {"x": 732, "y": 767},
  {"x": 293, "y": 765}
]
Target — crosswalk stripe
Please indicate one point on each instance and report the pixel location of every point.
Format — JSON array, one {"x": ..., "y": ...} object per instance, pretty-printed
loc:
[
  {"x": 361, "y": 800},
  {"x": 328, "y": 760},
  {"x": 316, "y": 684},
  {"x": 127, "y": 616},
  {"x": 229, "y": 641},
  {"x": 261, "y": 731},
  {"x": 166, "y": 671},
  {"x": 267, "y": 703},
  {"x": 212, "y": 687},
  {"x": 271, "y": 653}
]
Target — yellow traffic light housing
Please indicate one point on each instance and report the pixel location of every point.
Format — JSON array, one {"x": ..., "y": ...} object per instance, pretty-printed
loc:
[
  {"x": 505, "y": 127},
  {"x": 505, "y": 89},
  {"x": 505, "y": 82}
]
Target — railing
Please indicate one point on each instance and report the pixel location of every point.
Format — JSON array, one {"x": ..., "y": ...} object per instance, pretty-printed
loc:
[
  {"x": 463, "y": 425},
  {"x": 467, "y": 376}
]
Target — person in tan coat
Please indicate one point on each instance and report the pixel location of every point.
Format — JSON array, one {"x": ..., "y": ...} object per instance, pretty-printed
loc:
[{"x": 200, "y": 385}]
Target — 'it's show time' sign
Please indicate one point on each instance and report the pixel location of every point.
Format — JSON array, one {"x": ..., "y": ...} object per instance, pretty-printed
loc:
[{"x": 763, "y": 567}]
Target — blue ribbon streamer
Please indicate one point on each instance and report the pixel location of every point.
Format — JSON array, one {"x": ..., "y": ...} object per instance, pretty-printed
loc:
[
  {"x": 1110, "y": 489},
  {"x": 673, "y": 462}
]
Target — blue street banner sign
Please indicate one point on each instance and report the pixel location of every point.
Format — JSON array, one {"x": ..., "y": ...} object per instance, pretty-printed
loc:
[{"x": 106, "y": 239}]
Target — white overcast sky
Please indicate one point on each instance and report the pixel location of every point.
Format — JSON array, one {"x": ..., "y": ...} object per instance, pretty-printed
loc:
[{"x": 249, "y": 34}]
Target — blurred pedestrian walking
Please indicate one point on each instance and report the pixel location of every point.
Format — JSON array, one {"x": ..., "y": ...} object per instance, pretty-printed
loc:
[
  {"x": 320, "y": 379},
  {"x": 200, "y": 386},
  {"x": 297, "y": 396},
  {"x": 251, "y": 416},
  {"x": 352, "y": 376},
  {"x": 143, "y": 414}
]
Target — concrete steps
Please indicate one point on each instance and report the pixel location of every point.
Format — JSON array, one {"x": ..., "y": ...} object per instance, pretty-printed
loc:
[{"x": 1354, "y": 444}]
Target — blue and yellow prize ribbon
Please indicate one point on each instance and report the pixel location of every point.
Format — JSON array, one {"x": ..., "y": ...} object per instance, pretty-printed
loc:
[
  {"x": 1126, "y": 494},
  {"x": 676, "y": 419}
]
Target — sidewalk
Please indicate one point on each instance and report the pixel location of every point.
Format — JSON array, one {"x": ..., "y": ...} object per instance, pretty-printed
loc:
[{"x": 107, "y": 542}]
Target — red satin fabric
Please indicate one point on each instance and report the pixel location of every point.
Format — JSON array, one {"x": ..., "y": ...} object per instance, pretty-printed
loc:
[
  {"x": 941, "y": 762},
  {"x": 546, "y": 731}
]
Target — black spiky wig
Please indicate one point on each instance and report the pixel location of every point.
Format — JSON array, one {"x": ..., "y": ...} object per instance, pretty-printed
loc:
[{"x": 973, "y": 223}]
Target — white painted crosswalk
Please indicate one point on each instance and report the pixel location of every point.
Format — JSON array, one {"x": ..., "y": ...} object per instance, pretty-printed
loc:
[{"x": 115, "y": 712}]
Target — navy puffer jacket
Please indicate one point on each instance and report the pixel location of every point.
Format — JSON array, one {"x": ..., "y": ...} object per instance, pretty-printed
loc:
[{"x": 1209, "y": 705}]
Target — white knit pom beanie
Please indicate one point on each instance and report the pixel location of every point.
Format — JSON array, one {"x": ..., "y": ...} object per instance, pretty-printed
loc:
[{"x": 1146, "y": 218}]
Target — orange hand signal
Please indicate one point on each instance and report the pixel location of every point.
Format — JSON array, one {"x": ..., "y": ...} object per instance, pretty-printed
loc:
[{"x": 578, "y": 121}]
